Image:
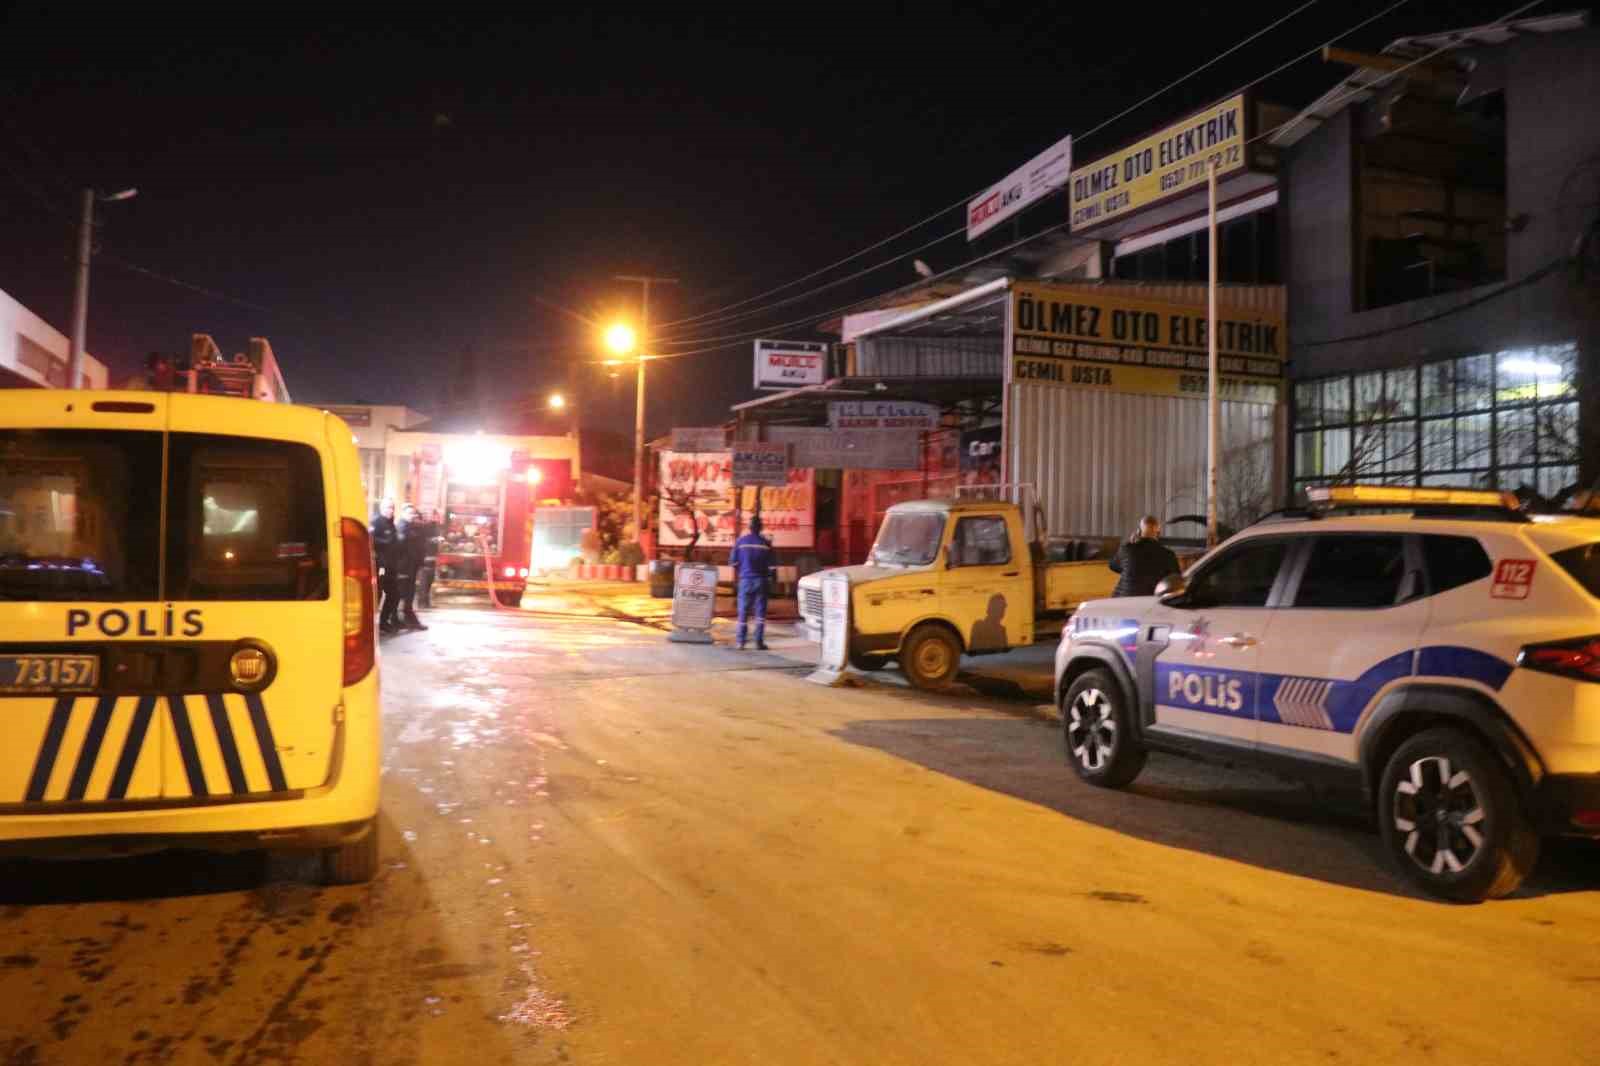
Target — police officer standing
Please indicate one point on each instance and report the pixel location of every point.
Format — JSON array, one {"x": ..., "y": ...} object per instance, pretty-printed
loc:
[
  {"x": 386, "y": 552},
  {"x": 752, "y": 567},
  {"x": 415, "y": 535}
]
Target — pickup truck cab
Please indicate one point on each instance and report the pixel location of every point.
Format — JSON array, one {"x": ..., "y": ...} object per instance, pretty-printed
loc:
[{"x": 947, "y": 578}]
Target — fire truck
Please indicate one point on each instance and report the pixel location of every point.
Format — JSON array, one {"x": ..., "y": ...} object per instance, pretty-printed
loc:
[
  {"x": 485, "y": 494},
  {"x": 252, "y": 375}
]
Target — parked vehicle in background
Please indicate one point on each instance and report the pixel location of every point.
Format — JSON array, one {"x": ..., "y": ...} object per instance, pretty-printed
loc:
[{"x": 1443, "y": 662}]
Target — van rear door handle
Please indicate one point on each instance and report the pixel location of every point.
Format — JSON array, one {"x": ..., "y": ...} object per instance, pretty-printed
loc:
[
  {"x": 1239, "y": 640},
  {"x": 1012, "y": 573}
]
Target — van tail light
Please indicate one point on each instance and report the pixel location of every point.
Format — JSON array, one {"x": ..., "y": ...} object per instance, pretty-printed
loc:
[
  {"x": 360, "y": 603},
  {"x": 1578, "y": 659}
]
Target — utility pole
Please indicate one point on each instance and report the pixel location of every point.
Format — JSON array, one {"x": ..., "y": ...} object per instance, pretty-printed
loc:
[
  {"x": 80, "y": 291},
  {"x": 1214, "y": 398},
  {"x": 638, "y": 411}
]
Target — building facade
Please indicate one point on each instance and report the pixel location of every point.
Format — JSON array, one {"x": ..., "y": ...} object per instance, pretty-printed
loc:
[{"x": 1443, "y": 326}]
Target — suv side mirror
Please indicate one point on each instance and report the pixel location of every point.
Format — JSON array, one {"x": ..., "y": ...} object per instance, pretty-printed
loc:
[{"x": 1171, "y": 588}]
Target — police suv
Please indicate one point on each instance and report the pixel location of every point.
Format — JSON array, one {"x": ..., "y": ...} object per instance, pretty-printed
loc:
[{"x": 1445, "y": 661}]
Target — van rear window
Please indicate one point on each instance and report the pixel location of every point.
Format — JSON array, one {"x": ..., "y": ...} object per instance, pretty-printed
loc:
[
  {"x": 246, "y": 520},
  {"x": 1583, "y": 563},
  {"x": 79, "y": 515},
  {"x": 80, "y": 518}
]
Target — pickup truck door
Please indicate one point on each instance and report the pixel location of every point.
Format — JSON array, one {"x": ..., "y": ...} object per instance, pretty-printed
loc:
[{"x": 987, "y": 586}]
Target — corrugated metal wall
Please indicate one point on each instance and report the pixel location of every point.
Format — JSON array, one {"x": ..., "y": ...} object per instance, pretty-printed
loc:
[
  {"x": 1100, "y": 460},
  {"x": 929, "y": 357}
]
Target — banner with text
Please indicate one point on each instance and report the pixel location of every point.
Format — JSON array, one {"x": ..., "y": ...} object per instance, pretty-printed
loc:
[
  {"x": 882, "y": 414},
  {"x": 699, "y": 439},
  {"x": 701, "y": 484},
  {"x": 1034, "y": 180},
  {"x": 851, "y": 449},
  {"x": 760, "y": 463},
  {"x": 1163, "y": 165},
  {"x": 790, "y": 364},
  {"x": 1101, "y": 340}
]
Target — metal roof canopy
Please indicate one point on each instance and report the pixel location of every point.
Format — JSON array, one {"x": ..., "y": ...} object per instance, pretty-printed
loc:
[
  {"x": 808, "y": 404},
  {"x": 1363, "y": 82},
  {"x": 976, "y": 312}
]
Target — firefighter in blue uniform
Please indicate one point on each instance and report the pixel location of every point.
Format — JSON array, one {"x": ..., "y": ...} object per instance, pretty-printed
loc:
[{"x": 752, "y": 566}]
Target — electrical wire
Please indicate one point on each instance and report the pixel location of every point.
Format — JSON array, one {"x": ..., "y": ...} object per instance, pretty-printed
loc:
[
  {"x": 965, "y": 199},
  {"x": 1297, "y": 58},
  {"x": 720, "y": 343},
  {"x": 832, "y": 284}
]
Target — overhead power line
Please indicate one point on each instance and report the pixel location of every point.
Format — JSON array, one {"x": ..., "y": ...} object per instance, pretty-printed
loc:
[{"x": 706, "y": 318}]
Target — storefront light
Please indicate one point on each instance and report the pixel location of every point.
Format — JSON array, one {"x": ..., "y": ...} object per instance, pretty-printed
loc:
[{"x": 476, "y": 461}]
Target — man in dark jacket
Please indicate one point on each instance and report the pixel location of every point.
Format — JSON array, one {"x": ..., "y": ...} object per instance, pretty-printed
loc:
[
  {"x": 1143, "y": 561},
  {"x": 752, "y": 559},
  {"x": 414, "y": 537},
  {"x": 386, "y": 553}
]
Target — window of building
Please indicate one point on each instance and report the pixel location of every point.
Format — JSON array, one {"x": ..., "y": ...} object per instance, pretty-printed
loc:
[
  {"x": 1430, "y": 194},
  {"x": 1247, "y": 253},
  {"x": 1506, "y": 420}
]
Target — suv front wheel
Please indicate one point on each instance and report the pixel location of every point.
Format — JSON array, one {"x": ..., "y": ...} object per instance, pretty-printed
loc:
[
  {"x": 1451, "y": 819},
  {"x": 1097, "y": 731}
]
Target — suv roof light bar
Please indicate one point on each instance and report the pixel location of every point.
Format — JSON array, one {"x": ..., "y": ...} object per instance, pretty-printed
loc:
[{"x": 1487, "y": 504}]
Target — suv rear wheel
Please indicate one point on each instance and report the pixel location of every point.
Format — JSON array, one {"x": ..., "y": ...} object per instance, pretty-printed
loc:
[
  {"x": 1098, "y": 732},
  {"x": 1451, "y": 819}
]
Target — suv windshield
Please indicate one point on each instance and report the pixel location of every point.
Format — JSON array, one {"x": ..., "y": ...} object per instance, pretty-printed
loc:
[{"x": 910, "y": 539}]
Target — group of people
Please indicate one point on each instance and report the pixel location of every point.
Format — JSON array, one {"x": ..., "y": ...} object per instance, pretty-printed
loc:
[{"x": 403, "y": 550}]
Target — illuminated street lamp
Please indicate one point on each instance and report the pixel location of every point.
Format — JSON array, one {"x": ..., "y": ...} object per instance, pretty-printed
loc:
[
  {"x": 558, "y": 402},
  {"x": 621, "y": 339}
]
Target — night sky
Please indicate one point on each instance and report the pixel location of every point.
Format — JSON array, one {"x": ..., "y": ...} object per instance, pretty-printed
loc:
[{"x": 376, "y": 198}]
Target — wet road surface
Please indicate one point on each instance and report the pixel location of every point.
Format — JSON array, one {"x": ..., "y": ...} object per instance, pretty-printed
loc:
[{"x": 603, "y": 848}]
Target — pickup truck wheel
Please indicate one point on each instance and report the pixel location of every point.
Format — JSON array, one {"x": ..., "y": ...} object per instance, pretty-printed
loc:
[
  {"x": 930, "y": 657},
  {"x": 1097, "y": 731},
  {"x": 1451, "y": 819}
]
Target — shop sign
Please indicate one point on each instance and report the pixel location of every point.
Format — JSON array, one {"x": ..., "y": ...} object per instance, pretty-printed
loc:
[
  {"x": 1103, "y": 341},
  {"x": 980, "y": 456},
  {"x": 698, "y": 487},
  {"x": 790, "y": 364},
  {"x": 699, "y": 438},
  {"x": 852, "y": 449},
  {"x": 1165, "y": 164},
  {"x": 882, "y": 414},
  {"x": 760, "y": 463},
  {"x": 1035, "y": 179}
]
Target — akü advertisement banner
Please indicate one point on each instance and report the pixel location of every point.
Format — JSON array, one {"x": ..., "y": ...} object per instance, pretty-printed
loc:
[
  {"x": 1101, "y": 340},
  {"x": 1035, "y": 179},
  {"x": 700, "y": 484},
  {"x": 759, "y": 463},
  {"x": 1165, "y": 164},
  {"x": 882, "y": 414},
  {"x": 790, "y": 364}
]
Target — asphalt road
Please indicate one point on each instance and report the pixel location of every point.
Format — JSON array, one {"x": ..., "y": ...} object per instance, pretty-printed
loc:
[{"x": 604, "y": 848}]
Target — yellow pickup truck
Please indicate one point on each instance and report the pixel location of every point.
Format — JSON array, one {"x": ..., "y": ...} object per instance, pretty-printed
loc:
[{"x": 948, "y": 578}]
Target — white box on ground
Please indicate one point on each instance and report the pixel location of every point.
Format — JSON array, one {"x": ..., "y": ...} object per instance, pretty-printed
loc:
[
  {"x": 694, "y": 602},
  {"x": 835, "y": 630}
]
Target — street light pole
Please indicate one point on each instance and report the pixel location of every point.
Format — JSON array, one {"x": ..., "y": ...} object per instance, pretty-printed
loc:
[
  {"x": 638, "y": 411},
  {"x": 80, "y": 291}
]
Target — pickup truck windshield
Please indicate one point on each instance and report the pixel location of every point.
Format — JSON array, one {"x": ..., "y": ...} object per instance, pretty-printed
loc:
[{"x": 908, "y": 539}]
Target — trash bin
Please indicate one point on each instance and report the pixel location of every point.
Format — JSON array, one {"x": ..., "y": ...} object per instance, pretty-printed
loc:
[{"x": 661, "y": 578}]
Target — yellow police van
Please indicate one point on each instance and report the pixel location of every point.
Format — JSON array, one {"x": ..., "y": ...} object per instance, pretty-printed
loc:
[{"x": 187, "y": 656}]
